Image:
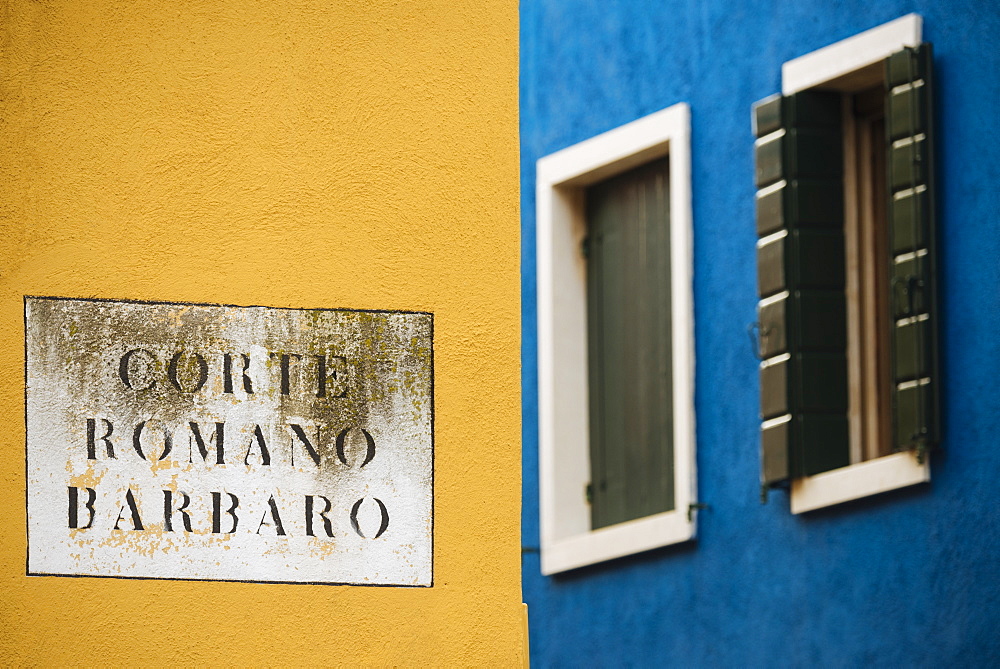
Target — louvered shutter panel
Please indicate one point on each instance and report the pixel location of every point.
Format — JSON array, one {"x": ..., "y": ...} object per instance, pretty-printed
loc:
[
  {"x": 629, "y": 345},
  {"x": 802, "y": 314},
  {"x": 908, "y": 75}
]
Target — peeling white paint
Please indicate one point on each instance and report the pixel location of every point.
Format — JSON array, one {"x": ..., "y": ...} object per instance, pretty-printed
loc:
[{"x": 356, "y": 384}]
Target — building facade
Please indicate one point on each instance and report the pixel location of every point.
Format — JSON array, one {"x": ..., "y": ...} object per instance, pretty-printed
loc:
[
  {"x": 329, "y": 169},
  {"x": 780, "y": 131}
]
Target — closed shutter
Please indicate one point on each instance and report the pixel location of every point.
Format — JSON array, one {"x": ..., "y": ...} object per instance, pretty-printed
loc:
[
  {"x": 800, "y": 259},
  {"x": 908, "y": 75},
  {"x": 629, "y": 346}
]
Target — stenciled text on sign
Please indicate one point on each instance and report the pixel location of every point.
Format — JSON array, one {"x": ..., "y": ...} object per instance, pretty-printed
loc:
[{"x": 229, "y": 443}]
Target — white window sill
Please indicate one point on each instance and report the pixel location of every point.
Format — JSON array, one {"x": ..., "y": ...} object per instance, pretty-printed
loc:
[
  {"x": 607, "y": 543},
  {"x": 857, "y": 481}
]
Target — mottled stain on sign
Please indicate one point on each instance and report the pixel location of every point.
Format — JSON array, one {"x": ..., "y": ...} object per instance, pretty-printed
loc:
[{"x": 213, "y": 442}]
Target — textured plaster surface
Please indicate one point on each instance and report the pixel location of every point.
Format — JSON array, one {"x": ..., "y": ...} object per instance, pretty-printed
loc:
[
  {"x": 911, "y": 578},
  {"x": 307, "y": 154}
]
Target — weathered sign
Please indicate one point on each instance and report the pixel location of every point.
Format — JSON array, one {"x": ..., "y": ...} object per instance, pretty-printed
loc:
[{"x": 193, "y": 441}]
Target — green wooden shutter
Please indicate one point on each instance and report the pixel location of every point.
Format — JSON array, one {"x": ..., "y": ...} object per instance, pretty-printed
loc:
[
  {"x": 802, "y": 316},
  {"x": 908, "y": 75},
  {"x": 629, "y": 345}
]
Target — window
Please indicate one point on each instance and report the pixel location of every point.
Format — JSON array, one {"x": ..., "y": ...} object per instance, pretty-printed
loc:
[
  {"x": 616, "y": 353},
  {"x": 846, "y": 268}
]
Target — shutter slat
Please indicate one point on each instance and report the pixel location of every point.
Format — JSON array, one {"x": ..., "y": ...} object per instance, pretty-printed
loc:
[
  {"x": 774, "y": 390},
  {"x": 908, "y": 163},
  {"x": 775, "y": 452},
  {"x": 767, "y": 116},
  {"x": 769, "y": 159},
  {"x": 901, "y": 66},
  {"x": 908, "y": 112},
  {"x": 912, "y": 406},
  {"x": 771, "y": 211},
  {"x": 911, "y": 221},
  {"x": 912, "y": 343}
]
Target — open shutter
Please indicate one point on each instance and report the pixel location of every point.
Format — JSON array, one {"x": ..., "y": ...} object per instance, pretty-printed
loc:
[
  {"x": 908, "y": 75},
  {"x": 802, "y": 316}
]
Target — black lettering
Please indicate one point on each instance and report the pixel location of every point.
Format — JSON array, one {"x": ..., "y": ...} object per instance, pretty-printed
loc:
[
  {"x": 227, "y": 374},
  {"x": 202, "y": 372},
  {"x": 168, "y": 441},
  {"x": 369, "y": 446},
  {"x": 284, "y": 365},
  {"x": 337, "y": 372},
  {"x": 92, "y": 438},
  {"x": 278, "y": 527},
  {"x": 74, "y": 504},
  {"x": 134, "y": 510},
  {"x": 217, "y": 512},
  {"x": 265, "y": 455},
  {"x": 382, "y": 526},
  {"x": 168, "y": 511},
  {"x": 219, "y": 436},
  {"x": 301, "y": 434},
  {"x": 310, "y": 505},
  {"x": 124, "y": 368}
]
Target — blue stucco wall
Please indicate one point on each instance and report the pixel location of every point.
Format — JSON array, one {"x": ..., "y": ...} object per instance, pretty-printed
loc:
[{"x": 910, "y": 578}]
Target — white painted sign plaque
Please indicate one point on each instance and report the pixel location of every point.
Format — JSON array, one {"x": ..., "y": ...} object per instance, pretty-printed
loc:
[{"x": 209, "y": 442}]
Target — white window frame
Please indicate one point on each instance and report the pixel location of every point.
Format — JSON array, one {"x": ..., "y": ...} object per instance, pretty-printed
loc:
[
  {"x": 567, "y": 540},
  {"x": 838, "y": 61}
]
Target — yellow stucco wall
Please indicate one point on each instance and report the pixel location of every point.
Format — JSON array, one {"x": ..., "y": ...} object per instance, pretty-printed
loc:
[{"x": 357, "y": 153}]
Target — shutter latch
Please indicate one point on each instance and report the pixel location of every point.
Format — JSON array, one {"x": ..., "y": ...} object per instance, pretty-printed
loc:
[
  {"x": 695, "y": 506},
  {"x": 911, "y": 285},
  {"x": 758, "y": 333}
]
